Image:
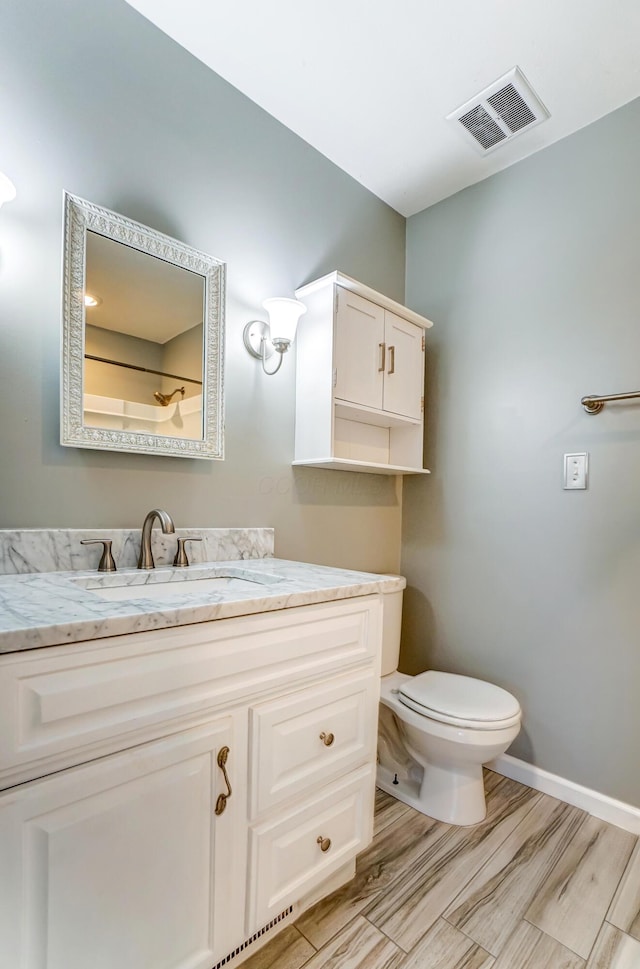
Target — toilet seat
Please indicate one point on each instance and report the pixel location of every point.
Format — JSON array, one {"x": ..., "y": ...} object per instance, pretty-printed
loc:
[{"x": 462, "y": 701}]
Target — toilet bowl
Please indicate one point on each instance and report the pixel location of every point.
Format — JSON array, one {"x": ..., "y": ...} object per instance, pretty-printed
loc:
[{"x": 436, "y": 730}]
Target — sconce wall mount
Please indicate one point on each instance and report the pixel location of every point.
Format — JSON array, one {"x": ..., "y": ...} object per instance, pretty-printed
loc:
[{"x": 255, "y": 334}]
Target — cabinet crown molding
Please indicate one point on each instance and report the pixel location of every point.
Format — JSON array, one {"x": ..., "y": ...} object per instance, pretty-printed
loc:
[{"x": 340, "y": 279}]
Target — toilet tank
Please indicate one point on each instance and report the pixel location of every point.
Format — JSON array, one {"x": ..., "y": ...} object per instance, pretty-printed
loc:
[{"x": 391, "y": 624}]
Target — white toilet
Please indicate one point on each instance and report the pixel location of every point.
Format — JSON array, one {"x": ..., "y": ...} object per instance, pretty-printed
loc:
[{"x": 436, "y": 731}]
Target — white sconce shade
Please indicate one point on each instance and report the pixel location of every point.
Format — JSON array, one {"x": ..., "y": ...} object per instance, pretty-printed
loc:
[
  {"x": 7, "y": 189},
  {"x": 283, "y": 319},
  {"x": 261, "y": 339}
]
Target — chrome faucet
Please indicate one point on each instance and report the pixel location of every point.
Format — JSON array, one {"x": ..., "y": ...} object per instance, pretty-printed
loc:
[{"x": 145, "y": 561}]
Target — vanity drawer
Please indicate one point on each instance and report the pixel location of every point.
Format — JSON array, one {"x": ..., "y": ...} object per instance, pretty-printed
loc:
[
  {"x": 65, "y": 705},
  {"x": 307, "y": 738},
  {"x": 297, "y": 851}
]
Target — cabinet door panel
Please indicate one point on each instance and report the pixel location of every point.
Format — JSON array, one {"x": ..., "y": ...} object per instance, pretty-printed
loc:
[
  {"x": 404, "y": 374},
  {"x": 113, "y": 864},
  {"x": 312, "y": 736},
  {"x": 359, "y": 333},
  {"x": 298, "y": 850}
]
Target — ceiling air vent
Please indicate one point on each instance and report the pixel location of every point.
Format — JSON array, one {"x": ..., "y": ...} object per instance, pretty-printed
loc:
[{"x": 500, "y": 112}]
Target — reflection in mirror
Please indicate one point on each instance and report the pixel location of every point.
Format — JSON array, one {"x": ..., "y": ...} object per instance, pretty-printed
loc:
[
  {"x": 143, "y": 336},
  {"x": 145, "y": 314}
]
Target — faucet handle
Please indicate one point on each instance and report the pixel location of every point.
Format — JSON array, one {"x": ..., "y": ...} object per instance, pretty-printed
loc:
[
  {"x": 181, "y": 561},
  {"x": 107, "y": 562}
]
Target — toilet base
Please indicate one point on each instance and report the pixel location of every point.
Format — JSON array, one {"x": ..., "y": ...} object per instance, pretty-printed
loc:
[{"x": 455, "y": 797}]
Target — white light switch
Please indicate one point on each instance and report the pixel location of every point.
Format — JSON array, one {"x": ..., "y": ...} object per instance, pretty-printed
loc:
[{"x": 575, "y": 471}]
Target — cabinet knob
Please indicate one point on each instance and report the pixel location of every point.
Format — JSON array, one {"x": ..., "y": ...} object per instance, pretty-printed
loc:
[
  {"x": 327, "y": 738},
  {"x": 325, "y": 843}
]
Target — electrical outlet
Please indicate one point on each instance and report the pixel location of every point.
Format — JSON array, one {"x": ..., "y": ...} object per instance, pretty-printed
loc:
[{"x": 575, "y": 471}]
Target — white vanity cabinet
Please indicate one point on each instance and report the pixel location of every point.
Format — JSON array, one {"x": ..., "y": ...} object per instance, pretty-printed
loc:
[
  {"x": 122, "y": 861},
  {"x": 112, "y": 760},
  {"x": 360, "y": 380}
]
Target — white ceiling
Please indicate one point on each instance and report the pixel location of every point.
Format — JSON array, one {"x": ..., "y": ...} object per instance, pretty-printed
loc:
[{"x": 369, "y": 82}]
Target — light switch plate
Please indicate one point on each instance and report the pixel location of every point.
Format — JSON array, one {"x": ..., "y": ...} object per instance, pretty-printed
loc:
[{"x": 576, "y": 468}]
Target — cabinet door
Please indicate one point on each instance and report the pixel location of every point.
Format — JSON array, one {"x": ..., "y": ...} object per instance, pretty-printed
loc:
[
  {"x": 113, "y": 864},
  {"x": 359, "y": 350},
  {"x": 404, "y": 372}
]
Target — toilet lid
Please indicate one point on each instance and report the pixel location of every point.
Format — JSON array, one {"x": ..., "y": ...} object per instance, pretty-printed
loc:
[{"x": 460, "y": 700}]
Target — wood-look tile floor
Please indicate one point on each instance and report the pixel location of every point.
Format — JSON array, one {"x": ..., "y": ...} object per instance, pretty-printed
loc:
[{"x": 537, "y": 885}]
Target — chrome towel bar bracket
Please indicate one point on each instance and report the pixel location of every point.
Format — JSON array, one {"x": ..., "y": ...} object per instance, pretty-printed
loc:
[{"x": 593, "y": 404}]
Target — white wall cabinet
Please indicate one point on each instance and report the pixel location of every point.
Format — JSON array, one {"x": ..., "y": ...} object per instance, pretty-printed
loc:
[
  {"x": 111, "y": 851},
  {"x": 379, "y": 357},
  {"x": 360, "y": 380}
]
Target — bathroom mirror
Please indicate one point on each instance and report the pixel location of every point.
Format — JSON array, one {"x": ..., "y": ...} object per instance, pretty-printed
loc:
[{"x": 142, "y": 342}]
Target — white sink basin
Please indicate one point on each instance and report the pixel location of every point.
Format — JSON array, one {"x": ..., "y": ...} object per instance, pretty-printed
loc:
[{"x": 169, "y": 583}]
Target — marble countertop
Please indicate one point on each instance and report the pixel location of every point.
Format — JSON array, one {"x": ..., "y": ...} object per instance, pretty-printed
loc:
[{"x": 52, "y": 608}]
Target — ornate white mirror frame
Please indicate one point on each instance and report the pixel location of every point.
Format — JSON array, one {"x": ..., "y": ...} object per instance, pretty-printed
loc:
[{"x": 81, "y": 217}]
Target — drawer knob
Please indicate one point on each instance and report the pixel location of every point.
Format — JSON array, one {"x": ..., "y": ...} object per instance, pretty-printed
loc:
[
  {"x": 325, "y": 843},
  {"x": 327, "y": 739}
]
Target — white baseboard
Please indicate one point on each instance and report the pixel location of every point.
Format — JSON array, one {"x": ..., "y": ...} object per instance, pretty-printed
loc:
[{"x": 606, "y": 808}]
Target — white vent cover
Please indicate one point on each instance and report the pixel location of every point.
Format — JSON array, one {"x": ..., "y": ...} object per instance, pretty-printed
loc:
[{"x": 500, "y": 112}]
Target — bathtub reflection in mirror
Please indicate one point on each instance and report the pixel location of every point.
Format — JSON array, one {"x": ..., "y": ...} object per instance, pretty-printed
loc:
[{"x": 142, "y": 342}]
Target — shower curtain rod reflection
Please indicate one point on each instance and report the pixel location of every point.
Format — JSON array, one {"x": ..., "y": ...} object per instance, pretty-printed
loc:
[{"x": 131, "y": 366}]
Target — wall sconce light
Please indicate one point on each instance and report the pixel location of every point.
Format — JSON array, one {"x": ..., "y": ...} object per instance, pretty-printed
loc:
[
  {"x": 7, "y": 189},
  {"x": 262, "y": 339}
]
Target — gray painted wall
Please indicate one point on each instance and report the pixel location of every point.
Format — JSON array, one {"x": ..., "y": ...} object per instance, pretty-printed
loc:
[
  {"x": 533, "y": 277},
  {"x": 96, "y": 100}
]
